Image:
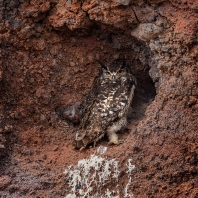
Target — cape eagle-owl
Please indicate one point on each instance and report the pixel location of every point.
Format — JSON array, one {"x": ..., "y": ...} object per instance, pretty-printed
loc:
[{"x": 105, "y": 108}]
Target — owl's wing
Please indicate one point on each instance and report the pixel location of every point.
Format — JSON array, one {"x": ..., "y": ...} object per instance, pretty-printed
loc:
[
  {"x": 88, "y": 136},
  {"x": 88, "y": 133},
  {"x": 86, "y": 107},
  {"x": 89, "y": 101}
]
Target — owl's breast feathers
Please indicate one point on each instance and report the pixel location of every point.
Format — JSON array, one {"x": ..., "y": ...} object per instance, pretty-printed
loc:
[{"x": 112, "y": 101}]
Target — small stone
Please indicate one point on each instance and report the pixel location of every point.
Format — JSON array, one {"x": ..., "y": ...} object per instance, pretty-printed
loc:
[
  {"x": 192, "y": 101},
  {"x": 31, "y": 80},
  {"x": 15, "y": 23},
  {"x": 90, "y": 57},
  {"x": 195, "y": 90},
  {"x": 164, "y": 40},
  {"x": 12, "y": 189},
  {"x": 12, "y": 115},
  {"x": 68, "y": 3},
  {"x": 72, "y": 64},
  {"x": 8, "y": 128},
  {"x": 136, "y": 49},
  {"x": 177, "y": 73},
  {"x": 116, "y": 56},
  {"x": 166, "y": 48},
  {"x": 40, "y": 44},
  {"x": 42, "y": 117},
  {"x": 2, "y": 146},
  {"x": 122, "y": 2},
  {"x": 71, "y": 113},
  {"x": 55, "y": 148},
  {"x": 147, "y": 31},
  {"x": 26, "y": 152},
  {"x": 98, "y": 56},
  {"x": 44, "y": 157}
]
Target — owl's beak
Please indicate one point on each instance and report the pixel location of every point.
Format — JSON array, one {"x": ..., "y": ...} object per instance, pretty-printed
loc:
[{"x": 113, "y": 79}]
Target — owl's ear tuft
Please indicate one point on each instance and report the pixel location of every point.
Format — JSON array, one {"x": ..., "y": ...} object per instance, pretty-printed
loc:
[
  {"x": 102, "y": 65},
  {"x": 123, "y": 63}
]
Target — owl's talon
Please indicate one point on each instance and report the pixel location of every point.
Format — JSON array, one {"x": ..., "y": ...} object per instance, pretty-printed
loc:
[
  {"x": 82, "y": 148},
  {"x": 115, "y": 142}
]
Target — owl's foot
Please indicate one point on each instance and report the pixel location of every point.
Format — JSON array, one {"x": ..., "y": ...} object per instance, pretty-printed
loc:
[
  {"x": 117, "y": 142},
  {"x": 113, "y": 138}
]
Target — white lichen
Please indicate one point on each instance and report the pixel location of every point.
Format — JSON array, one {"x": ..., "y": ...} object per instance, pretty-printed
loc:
[
  {"x": 129, "y": 173},
  {"x": 101, "y": 150},
  {"x": 90, "y": 178}
]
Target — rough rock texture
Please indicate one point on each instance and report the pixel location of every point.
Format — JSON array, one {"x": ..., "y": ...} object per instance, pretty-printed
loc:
[{"x": 48, "y": 61}]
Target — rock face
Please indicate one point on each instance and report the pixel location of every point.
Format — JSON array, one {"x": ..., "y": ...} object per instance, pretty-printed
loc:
[{"x": 49, "y": 52}]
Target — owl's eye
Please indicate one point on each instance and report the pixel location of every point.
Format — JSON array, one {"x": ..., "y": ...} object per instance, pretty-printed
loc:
[
  {"x": 107, "y": 73},
  {"x": 120, "y": 71}
]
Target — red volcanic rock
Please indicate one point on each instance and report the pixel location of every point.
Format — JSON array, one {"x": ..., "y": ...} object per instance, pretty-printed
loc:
[
  {"x": 4, "y": 181},
  {"x": 147, "y": 31},
  {"x": 145, "y": 14},
  {"x": 103, "y": 12},
  {"x": 49, "y": 52},
  {"x": 70, "y": 14}
]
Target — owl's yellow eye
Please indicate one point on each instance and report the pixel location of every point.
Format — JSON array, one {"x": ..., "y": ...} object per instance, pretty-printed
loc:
[
  {"x": 107, "y": 73},
  {"x": 121, "y": 72}
]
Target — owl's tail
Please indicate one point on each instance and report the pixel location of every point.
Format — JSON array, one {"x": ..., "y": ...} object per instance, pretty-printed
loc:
[{"x": 82, "y": 143}]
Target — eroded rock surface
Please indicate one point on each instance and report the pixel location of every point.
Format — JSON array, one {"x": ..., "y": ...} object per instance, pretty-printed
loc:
[{"x": 48, "y": 61}]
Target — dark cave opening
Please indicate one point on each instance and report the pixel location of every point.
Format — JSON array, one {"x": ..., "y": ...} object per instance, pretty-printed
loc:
[{"x": 138, "y": 58}]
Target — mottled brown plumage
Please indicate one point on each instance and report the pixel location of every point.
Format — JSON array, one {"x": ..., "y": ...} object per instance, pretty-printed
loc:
[{"x": 106, "y": 107}]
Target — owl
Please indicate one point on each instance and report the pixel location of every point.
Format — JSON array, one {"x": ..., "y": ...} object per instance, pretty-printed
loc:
[{"x": 105, "y": 108}]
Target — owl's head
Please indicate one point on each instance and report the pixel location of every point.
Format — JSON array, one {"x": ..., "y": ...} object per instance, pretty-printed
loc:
[{"x": 114, "y": 72}]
